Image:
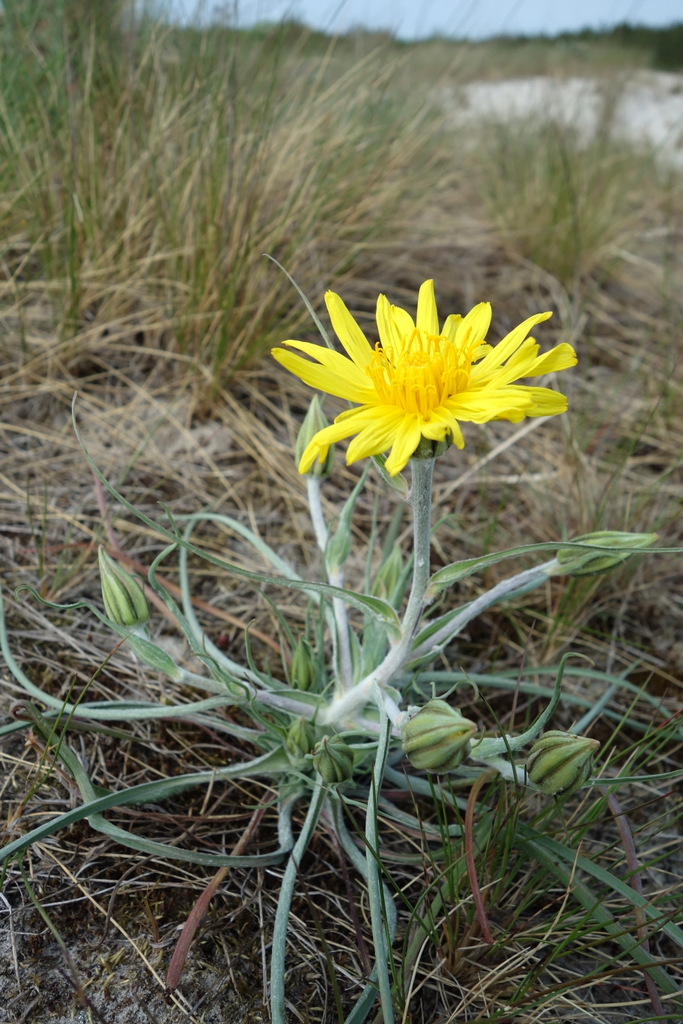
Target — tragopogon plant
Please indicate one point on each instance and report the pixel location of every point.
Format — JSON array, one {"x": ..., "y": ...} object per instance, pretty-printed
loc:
[{"x": 335, "y": 729}]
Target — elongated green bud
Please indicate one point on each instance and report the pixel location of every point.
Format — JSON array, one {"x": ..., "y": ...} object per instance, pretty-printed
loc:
[
  {"x": 338, "y": 548},
  {"x": 333, "y": 759},
  {"x": 300, "y": 738},
  {"x": 437, "y": 738},
  {"x": 302, "y": 669},
  {"x": 388, "y": 574},
  {"x": 124, "y": 599},
  {"x": 576, "y": 562},
  {"x": 560, "y": 763},
  {"x": 314, "y": 422}
]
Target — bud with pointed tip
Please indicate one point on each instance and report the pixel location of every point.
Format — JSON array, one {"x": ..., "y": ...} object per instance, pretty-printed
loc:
[
  {"x": 300, "y": 738},
  {"x": 302, "y": 668},
  {"x": 314, "y": 422},
  {"x": 388, "y": 574},
  {"x": 438, "y": 737},
  {"x": 333, "y": 759},
  {"x": 338, "y": 549},
  {"x": 560, "y": 763},
  {"x": 124, "y": 599}
]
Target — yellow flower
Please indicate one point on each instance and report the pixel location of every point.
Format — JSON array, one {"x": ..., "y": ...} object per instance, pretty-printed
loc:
[{"x": 420, "y": 381}]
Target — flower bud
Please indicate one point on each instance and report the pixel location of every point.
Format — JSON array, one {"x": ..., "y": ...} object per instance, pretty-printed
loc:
[
  {"x": 302, "y": 669},
  {"x": 333, "y": 759},
  {"x": 124, "y": 599},
  {"x": 314, "y": 422},
  {"x": 578, "y": 562},
  {"x": 388, "y": 575},
  {"x": 338, "y": 548},
  {"x": 300, "y": 738},
  {"x": 437, "y": 738},
  {"x": 559, "y": 763}
]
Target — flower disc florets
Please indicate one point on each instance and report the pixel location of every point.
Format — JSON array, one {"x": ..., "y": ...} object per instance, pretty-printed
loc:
[
  {"x": 418, "y": 375},
  {"x": 420, "y": 380}
]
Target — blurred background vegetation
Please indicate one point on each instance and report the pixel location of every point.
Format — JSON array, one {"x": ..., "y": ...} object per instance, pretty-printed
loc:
[{"x": 147, "y": 168}]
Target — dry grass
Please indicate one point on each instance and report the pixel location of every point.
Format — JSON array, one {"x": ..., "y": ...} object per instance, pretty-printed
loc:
[{"x": 131, "y": 272}]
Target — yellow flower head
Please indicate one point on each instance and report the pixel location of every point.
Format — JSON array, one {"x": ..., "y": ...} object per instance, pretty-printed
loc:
[{"x": 419, "y": 381}]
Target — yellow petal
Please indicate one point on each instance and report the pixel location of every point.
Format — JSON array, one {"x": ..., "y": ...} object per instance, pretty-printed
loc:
[
  {"x": 544, "y": 401},
  {"x": 404, "y": 325},
  {"x": 389, "y": 334},
  {"x": 334, "y": 361},
  {"x": 527, "y": 363},
  {"x": 473, "y": 329},
  {"x": 518, "y": 365},
  {"x": 406, "y": 441},
  {"x": 316, "y": 376},
  {"x": 443, "y": 422},
  {"x": 510, "y": 343},
  {"x": 378, "y": 436},
  {"x": 427, "y": 319},
  {"x": 450, "y": 327},
  {"x": 559, "y": 358},
  {"x": 348, "y": 331},
  {"x": 485, "y": 405},
  {"x": 320, "y": 443}
]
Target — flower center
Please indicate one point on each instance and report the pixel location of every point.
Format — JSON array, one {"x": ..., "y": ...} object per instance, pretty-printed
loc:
[{"x": 417, "y": 378}]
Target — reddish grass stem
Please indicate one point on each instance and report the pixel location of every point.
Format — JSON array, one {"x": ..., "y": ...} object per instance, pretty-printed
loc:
[
  {"x": 469, "y": 857},
  {"x": 202, "y": 905}
]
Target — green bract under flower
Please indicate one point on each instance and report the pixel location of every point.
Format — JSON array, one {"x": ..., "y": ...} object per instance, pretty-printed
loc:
[
  {"x": 421, "y": 380},
  {"x": 560, "y": 763},
  {"x": 438, "y": 737},
  {"x": 333, "y": 760}
]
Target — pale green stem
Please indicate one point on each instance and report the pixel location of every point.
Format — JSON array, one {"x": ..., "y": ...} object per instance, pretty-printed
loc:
[
  {"x": 489, "y": 748},
  {"x": 344, "y": 707},
  {"x": 421, "y": 499},
  {"x": 509, "y": 770},
  {"x": 391, "y": 709},
  {"x": 343, "y": 649},
  {"x": 141, "y": 710},
  {"x": 342, "y": 622},
  {"x": 316, "y": 511},
  {"x": 515, "y": 586}
]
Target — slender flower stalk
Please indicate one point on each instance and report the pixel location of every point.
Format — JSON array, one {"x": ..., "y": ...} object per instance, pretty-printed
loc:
[
  {"x": 349, "y": 701},
  {"x": 421, "y": 501},
  {"x": 336, "y": 578},
  {"x": 515, "y": 586}
]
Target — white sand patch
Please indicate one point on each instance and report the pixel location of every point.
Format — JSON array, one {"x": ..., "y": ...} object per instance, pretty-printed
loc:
[{"x": 645, "y": 109}]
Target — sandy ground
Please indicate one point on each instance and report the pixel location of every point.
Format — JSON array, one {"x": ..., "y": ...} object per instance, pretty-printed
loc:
[{"x": 645, "y": 108}]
